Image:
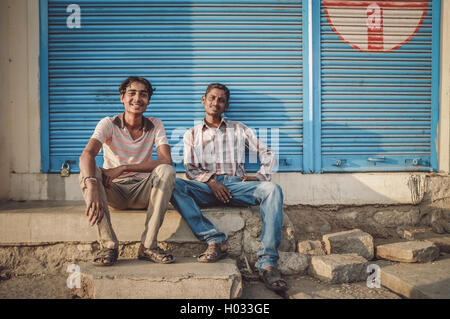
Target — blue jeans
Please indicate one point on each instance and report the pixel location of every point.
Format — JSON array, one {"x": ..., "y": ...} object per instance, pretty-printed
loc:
[{"x": 187, "y": 196}]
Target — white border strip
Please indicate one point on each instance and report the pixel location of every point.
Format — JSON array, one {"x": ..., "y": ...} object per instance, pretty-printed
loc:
[{"x": 310, "y": 62}]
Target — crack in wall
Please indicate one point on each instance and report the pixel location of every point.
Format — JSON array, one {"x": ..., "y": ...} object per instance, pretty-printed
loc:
[{"x": 417, "y": 185}]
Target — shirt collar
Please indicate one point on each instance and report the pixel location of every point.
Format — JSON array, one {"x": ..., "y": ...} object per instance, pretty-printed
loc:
[
  {"x": 146, "y": 123},
  {"x": 222, "y": 122}
]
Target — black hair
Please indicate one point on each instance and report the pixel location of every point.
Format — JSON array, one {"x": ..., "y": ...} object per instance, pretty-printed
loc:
[
  {"x": 140, "y": 79},
  {"x": 219, "y": 86}
]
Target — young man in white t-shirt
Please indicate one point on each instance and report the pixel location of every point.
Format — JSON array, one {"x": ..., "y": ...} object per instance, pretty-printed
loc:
[{"x": 130, "y": 177}]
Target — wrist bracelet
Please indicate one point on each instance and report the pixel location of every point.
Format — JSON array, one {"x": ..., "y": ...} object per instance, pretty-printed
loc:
[{"x": 89, "y": 177}]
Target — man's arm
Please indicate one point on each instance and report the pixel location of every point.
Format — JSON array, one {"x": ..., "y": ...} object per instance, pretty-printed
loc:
[
  {"x": 94, "y": 206},
  {"x": 164, "y": 157},
  {"x": 265, "y": 154}
]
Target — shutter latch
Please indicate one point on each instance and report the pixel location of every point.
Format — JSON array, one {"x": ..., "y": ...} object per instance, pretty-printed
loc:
[
  {"x": 413, "y": 162},
  {"x": 339, "y": 162},
  {"x": 374, "y": 160}
]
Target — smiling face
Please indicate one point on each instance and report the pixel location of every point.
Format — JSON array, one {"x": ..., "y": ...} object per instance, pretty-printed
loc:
[
  {"x": 135, "y": 99},
  {"x": 215, "y": 102}
]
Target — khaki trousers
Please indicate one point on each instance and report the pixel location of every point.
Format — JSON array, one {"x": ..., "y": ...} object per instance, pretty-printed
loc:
[{"x": 152, "y": 193}]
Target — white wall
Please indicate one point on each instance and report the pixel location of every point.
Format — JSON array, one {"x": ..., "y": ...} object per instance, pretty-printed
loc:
[
  {"x": 444, "y": 96},
  {"x": 20, "y": 106}
]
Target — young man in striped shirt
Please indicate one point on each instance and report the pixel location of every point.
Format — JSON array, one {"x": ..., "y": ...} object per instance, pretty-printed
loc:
[
  {"x": 130, "y": 177},
  {"x": 214, "y": 156}
]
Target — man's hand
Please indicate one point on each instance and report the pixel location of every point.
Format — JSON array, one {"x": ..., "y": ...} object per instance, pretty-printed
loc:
[
  {"x": 94, "y": 205},
  {"x": 110, "y": 174},
  {"x": 249, "y": 178},
  {"x": 220, "y": 190}
]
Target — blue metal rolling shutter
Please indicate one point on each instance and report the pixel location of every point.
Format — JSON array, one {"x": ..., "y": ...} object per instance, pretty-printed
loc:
[
  {"x": 254, "y": 47},
  {"x": 376, "y": 107}
]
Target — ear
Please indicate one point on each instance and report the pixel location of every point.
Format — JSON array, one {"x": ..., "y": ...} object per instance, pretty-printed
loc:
[
  {"x": 203, "y": 99},
  {"x": 121, "y": 97}
]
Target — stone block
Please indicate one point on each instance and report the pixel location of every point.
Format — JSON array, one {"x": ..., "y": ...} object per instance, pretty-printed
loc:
[
  {"x": 350, "y": 242},
  {"x": 441, "y": 242},
  {"x": 184, "y": 279},
  {"x": 413, "y": 233},
  {"x": 426, "y": 233},
  {"x": 311, "y": 247},
  {"x": 409, "y": 252},
  {"x": 291, "y": 263},
  {"x": 339, "y": 268}
]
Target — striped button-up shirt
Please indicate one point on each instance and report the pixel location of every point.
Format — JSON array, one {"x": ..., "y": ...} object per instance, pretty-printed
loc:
[{"x": 210, "y": 150}]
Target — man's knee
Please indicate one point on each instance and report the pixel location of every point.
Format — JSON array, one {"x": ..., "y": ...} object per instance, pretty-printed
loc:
[
  {"x": 272, "y": 188},
  {"x": 179, "y": 184},
  {"x": 166, "y": 172}
]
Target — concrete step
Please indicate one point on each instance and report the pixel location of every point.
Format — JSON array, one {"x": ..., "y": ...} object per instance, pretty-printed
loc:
[
  {"x": 184, "y": 279},
  {"x": 418, "y": 281},
  {"x": 35, "y": 222}
]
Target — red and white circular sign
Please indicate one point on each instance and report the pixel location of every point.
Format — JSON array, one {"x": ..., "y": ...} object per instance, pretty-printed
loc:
[{"x": 375, "y": 26}]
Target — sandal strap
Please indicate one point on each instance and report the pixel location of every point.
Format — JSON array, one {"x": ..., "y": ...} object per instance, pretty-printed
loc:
[
  {"x": 107, "y": 253},
  {"x": 212, "y": 253},
  {"x": 213, "y": 250},
  {"x": 158, "y": 254}
]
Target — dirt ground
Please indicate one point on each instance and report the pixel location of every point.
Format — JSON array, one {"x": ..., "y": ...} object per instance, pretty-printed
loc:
[
  {"x": 35, "y": 287},
  {"x": 301, "y": 287},
  {"x": 306, "y": 287}
]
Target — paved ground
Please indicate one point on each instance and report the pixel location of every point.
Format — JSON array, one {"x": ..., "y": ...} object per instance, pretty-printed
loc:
[{"x": 417, "y": 280}]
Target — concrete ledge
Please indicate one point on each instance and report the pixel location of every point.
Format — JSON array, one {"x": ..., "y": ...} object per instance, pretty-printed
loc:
[
  {"x": 184, "y": 279},
  {"x": 40, "y": 222}
]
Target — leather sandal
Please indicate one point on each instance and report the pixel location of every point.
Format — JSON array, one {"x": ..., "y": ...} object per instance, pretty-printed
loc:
[
  {"x": 156, "y": 255},
  {"x": 212, "y": 254},
  {"x": 106, "y": 257},
  {"x": 271, "y": 276}
]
